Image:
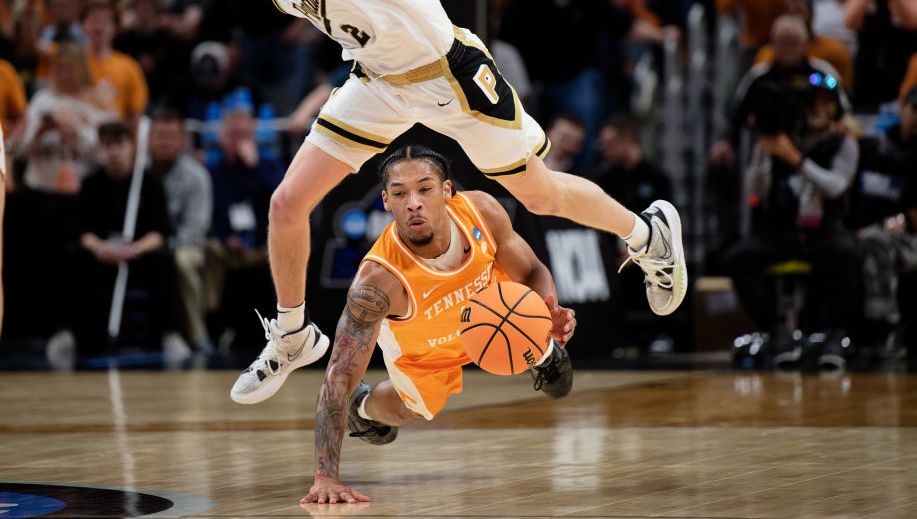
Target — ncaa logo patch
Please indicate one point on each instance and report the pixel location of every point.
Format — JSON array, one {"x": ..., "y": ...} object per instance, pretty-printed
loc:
[{"x": 477, "y": 233}]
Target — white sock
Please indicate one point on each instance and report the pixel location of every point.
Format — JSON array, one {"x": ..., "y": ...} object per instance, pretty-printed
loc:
[
  {"x": 639, "y": 235},
  {"x": 291, "y": 319},
  {"x": 547, "y": 354},
  {"x": 362, "y": 409}
]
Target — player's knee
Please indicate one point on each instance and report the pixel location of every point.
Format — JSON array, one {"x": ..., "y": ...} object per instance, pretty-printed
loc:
[
  {"x": 538, "y": 190},
  {"x": 405, "y": 415},
  {"x": 541, "y": 203},
  {"x": 287, "y": 208}
]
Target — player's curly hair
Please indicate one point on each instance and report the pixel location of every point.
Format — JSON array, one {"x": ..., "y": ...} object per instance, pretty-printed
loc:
[{"x": 439, "y": 163}]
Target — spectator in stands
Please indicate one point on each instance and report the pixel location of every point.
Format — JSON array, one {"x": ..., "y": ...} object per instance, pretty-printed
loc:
[
  {"x": 756, "y": 18},
  {"x": 64, "y": 27},
  {"x": 102, "y": 208},
  {"x": 790, "y": 65},
  {"x": 213, "y": 77},
  {"x": 23, "y": 28},
  {"x": 60, "y": 130},
  {"x": 624, "y": 171},
  {"x": 183, "y": 18},
  {"x": 190, "y": 200},
  {"x": 163, "y": 57},
  {"x": 799, "y": 185},
  {"x": 567, "y": 134},
  {"x": 117, "y": 75},
  {"x": 237, "y": 253},
  {"x": 888, "y": 169},
  {"x": 12, "y": 100},
  {"x": 885, "y": 46},
  {"x": 822, "y": 47},
  {"x": 828, "y": 20},
  {"x": 275, "y": 61},
  {"x": 575, "y": 83},
  {"x": 887, "y": 189}
]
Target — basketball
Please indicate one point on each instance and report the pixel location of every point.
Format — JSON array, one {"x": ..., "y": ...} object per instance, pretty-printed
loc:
[{"x": 506, "y": 328}]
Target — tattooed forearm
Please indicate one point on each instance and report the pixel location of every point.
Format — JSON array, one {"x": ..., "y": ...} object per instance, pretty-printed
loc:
[{"x": 353, "y": 342}]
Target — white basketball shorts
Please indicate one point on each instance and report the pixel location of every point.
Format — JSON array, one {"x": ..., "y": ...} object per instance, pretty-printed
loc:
[{"x": 463, "y": 96}]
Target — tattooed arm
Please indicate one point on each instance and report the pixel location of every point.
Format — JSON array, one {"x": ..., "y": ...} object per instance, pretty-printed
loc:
[{"x": 374, "y": 294}]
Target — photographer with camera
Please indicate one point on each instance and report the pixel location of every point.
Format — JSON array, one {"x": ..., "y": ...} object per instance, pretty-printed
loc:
[
  {"x": 761, "y": 85},
  {"x": 802, "y": 167}
]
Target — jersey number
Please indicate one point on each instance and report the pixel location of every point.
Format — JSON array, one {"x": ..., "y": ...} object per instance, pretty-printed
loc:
[
  {"x": 486, "y": 80},
  {"x": 357, "y": 34}
]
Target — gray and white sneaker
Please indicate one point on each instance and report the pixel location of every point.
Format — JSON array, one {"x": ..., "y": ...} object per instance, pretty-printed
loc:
[
  {"x": 663, "y": 259},
  {"x": 283, "y": 353}
]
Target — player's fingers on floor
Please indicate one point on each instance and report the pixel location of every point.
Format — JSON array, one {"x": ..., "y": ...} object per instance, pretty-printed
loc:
[
  {"x": 359, "y": 496},
  {"x": 347, "y": 498},
  {"x": 322, "y": 498}
]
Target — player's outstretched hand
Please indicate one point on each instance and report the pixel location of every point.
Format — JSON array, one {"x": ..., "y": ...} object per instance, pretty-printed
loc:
[
  {"x": 327, "y": 490},
  {"x": 564, "y": 321}
]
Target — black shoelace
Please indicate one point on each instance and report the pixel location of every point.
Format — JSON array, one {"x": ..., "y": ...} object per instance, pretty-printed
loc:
[{"x": 545, "y": 375}]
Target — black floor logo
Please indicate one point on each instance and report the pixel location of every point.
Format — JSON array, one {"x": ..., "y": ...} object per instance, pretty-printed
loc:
[{"x": 33, "y": 500}]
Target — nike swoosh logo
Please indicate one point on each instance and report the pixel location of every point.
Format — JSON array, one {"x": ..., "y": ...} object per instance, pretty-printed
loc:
[
  {"x": 428, "y": 292},
  {"x": 665, "y": 245},
  {"x": 292, "y": 356},
  {"x": 444, "y": 104}
]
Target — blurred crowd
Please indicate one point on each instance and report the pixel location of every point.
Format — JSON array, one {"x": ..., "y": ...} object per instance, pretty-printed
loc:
[
  {"x": 232, "y": 87},
  {"x": 820, "y": 148}
]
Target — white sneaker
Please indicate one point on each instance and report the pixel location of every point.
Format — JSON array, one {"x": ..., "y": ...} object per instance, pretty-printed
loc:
[
  {"x": 61, "y": 351},
  {"x": 284, "y": 353},
  {"x": 663, "y": 259},
  {"x": 175, "y": 351}
]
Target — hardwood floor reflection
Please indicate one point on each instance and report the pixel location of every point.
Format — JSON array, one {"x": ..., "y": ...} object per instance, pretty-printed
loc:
[{"x": 650, "y": 444}]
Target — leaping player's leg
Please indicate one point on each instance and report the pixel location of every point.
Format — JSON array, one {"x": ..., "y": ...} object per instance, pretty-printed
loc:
[
  {"x": 354, "y": 125},
  {"x": 571, "y": 197},
  {"x": 312, "y": 175},
  {"x": 507, "y": 145},
  {"x": 297, "y": 342},
  {"x": 653, "y": 237}
]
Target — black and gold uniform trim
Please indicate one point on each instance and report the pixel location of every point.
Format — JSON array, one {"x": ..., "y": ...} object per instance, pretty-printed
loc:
[
  {"x": 349, "y": 135},
  {"x": 458, "y": 69},
  {"x": 518, "y": 167},
  {"x": 318, "y": 11}
]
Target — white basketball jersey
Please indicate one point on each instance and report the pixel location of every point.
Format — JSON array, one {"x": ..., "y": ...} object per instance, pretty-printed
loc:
[{"x": 386, "y": 36}]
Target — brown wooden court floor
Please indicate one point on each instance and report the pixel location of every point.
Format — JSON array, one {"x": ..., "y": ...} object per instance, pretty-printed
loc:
[{"x": 624, "y": 444}]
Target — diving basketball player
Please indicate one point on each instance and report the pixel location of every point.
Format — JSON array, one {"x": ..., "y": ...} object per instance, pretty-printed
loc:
[
  {"x": 407, "y": 296},
  {"x": 412, "y": 65}
]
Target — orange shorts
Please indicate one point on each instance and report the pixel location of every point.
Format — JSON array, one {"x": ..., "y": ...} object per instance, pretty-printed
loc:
[{"x": 425, "y": 389}]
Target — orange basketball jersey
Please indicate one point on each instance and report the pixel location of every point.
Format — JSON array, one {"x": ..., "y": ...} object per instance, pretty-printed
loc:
[{"x": 427, "y": 339}]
